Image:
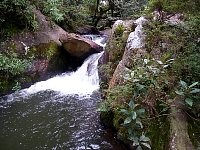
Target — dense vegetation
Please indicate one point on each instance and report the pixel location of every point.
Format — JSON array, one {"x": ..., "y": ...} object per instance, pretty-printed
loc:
[
  {"x": 160, "y": 84},
  {"x": 142, "y": 107},
  {"x": 17, "y": 15}
]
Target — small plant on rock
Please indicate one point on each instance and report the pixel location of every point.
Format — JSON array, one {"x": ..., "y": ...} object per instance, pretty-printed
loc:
[
  {"x": 119, "y": 30},
  {"x": 187, "y": 91}
]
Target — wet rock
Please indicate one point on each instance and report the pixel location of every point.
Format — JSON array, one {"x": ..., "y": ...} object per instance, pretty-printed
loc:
[{"x": 79, "y": 47}]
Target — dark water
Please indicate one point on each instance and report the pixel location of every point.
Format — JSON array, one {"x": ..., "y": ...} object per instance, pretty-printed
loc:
[{"x": 46, "y": 120}]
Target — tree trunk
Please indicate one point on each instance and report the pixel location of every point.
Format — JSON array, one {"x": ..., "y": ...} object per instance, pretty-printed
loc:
[
  {"x": 179, "y": 138},
  {"x": 112, "y": 7}
]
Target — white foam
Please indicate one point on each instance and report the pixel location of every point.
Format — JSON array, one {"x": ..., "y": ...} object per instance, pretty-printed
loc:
[
  {"x": 82, "y": 82},
  {"x": 100, "y": 40}
]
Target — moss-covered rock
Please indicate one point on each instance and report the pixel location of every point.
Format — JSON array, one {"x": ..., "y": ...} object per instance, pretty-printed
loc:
[
  {"x": 44, "y": 50},
  {"x": 158, "y": 130}
]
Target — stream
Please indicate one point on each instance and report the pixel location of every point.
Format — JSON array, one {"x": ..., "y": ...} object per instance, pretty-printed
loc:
[{"x": 58, "y": 114}]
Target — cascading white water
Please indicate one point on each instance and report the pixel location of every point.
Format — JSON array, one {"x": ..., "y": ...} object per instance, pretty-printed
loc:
[
  {"x": 100, "y": 40},
  {"x": 84, "y": 81}
]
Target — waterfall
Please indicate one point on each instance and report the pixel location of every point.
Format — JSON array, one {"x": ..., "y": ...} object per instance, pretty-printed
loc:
[
  {"x": 82, "y": 82},
  {"x": 100, "y": 40}
]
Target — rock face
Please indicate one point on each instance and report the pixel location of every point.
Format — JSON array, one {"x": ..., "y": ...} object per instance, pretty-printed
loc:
[
  {"x": 134, "y": 48},
  {"x": 40, "y": 41},
  {"x": 46, "y": 47},
  {"x": 45, "y": 33},
  {"x": 80, "y": 47}
]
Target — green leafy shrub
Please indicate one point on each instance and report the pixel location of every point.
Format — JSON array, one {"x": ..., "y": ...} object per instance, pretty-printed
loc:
[
  {"x": 133, "y": 123},
  {"x": 11, "y": 66},
  {"x": 16, "y": 16},
  {"x": 54, "y": 9},
  {"x": 144, "y": 85},
  {"x": 119, "y": 30},
  {"x": 190, "y": 93},
  {"x": 174, "y": 6}
]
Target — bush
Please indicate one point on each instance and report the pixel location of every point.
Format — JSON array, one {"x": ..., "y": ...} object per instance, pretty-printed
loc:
[
  {"x": 16, "y": 16},
  {"x": 11, "y": 66},
  {"x": 119, "y": 30}
]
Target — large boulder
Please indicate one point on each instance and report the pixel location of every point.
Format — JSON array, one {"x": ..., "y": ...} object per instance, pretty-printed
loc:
[
  {"x": 135, "y": 47},
  {"x": 79, "y": 47},
  {"x": 46, "y": 32}
]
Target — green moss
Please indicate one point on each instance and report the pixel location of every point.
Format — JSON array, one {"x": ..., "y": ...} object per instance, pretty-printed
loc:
[
  {"x": 4, "y": 86},
  {"x": 194, "y": 132},
  {"x": 12, "y": 47},
  {"x": 159, "y": 132},
  {"x": 122, "y": 134},
  {"x": 119, "y": 30},
  {"x": 107, "y": 118},
  {"x": 117, "y": 120},
  {"x": 44, "y": 50}
]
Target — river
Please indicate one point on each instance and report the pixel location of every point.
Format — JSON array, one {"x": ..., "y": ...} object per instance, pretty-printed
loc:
[{"x": 58, "y": 114}]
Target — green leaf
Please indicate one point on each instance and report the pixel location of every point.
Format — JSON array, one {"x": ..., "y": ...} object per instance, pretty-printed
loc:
[
  {"x": 133, "y": 138},
  {"x": 195, "y": 90},
  {"x": 135, "y": 141},
  {"x": 164, "y": 109},
  {"x": 174, "y": 109},
  {"x": 130, "y": 131},
  {"x": 124, "y": 111},
  {"x": 146, "y": 145},
  {"x": 127, "y": 120},
  {"x": 179, "y": 93},
  {"x": 159, "y": 62},
  {"x": 166, "y": 81},
  {"x": 183, "y": 84},
  {"x": 189, "y": 102},
  {"x": 139, "y": 148},
  {"x": 131, "y": 104},
  {"x": 139, "y": 123},
  {"x": 140, "y": 87},
  {"x": 193, "y": 84},
  {"x": 141, "y": 111},
  {"x": 143, "y": 138},
  {"x": 133, "y": 115},
  {"x": 136, "y": 80}
]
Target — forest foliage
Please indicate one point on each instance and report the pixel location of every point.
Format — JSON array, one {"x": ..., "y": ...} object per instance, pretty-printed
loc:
[
  {"x": 155, "y": 83},
  {"x": 17, "y": 15}
]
